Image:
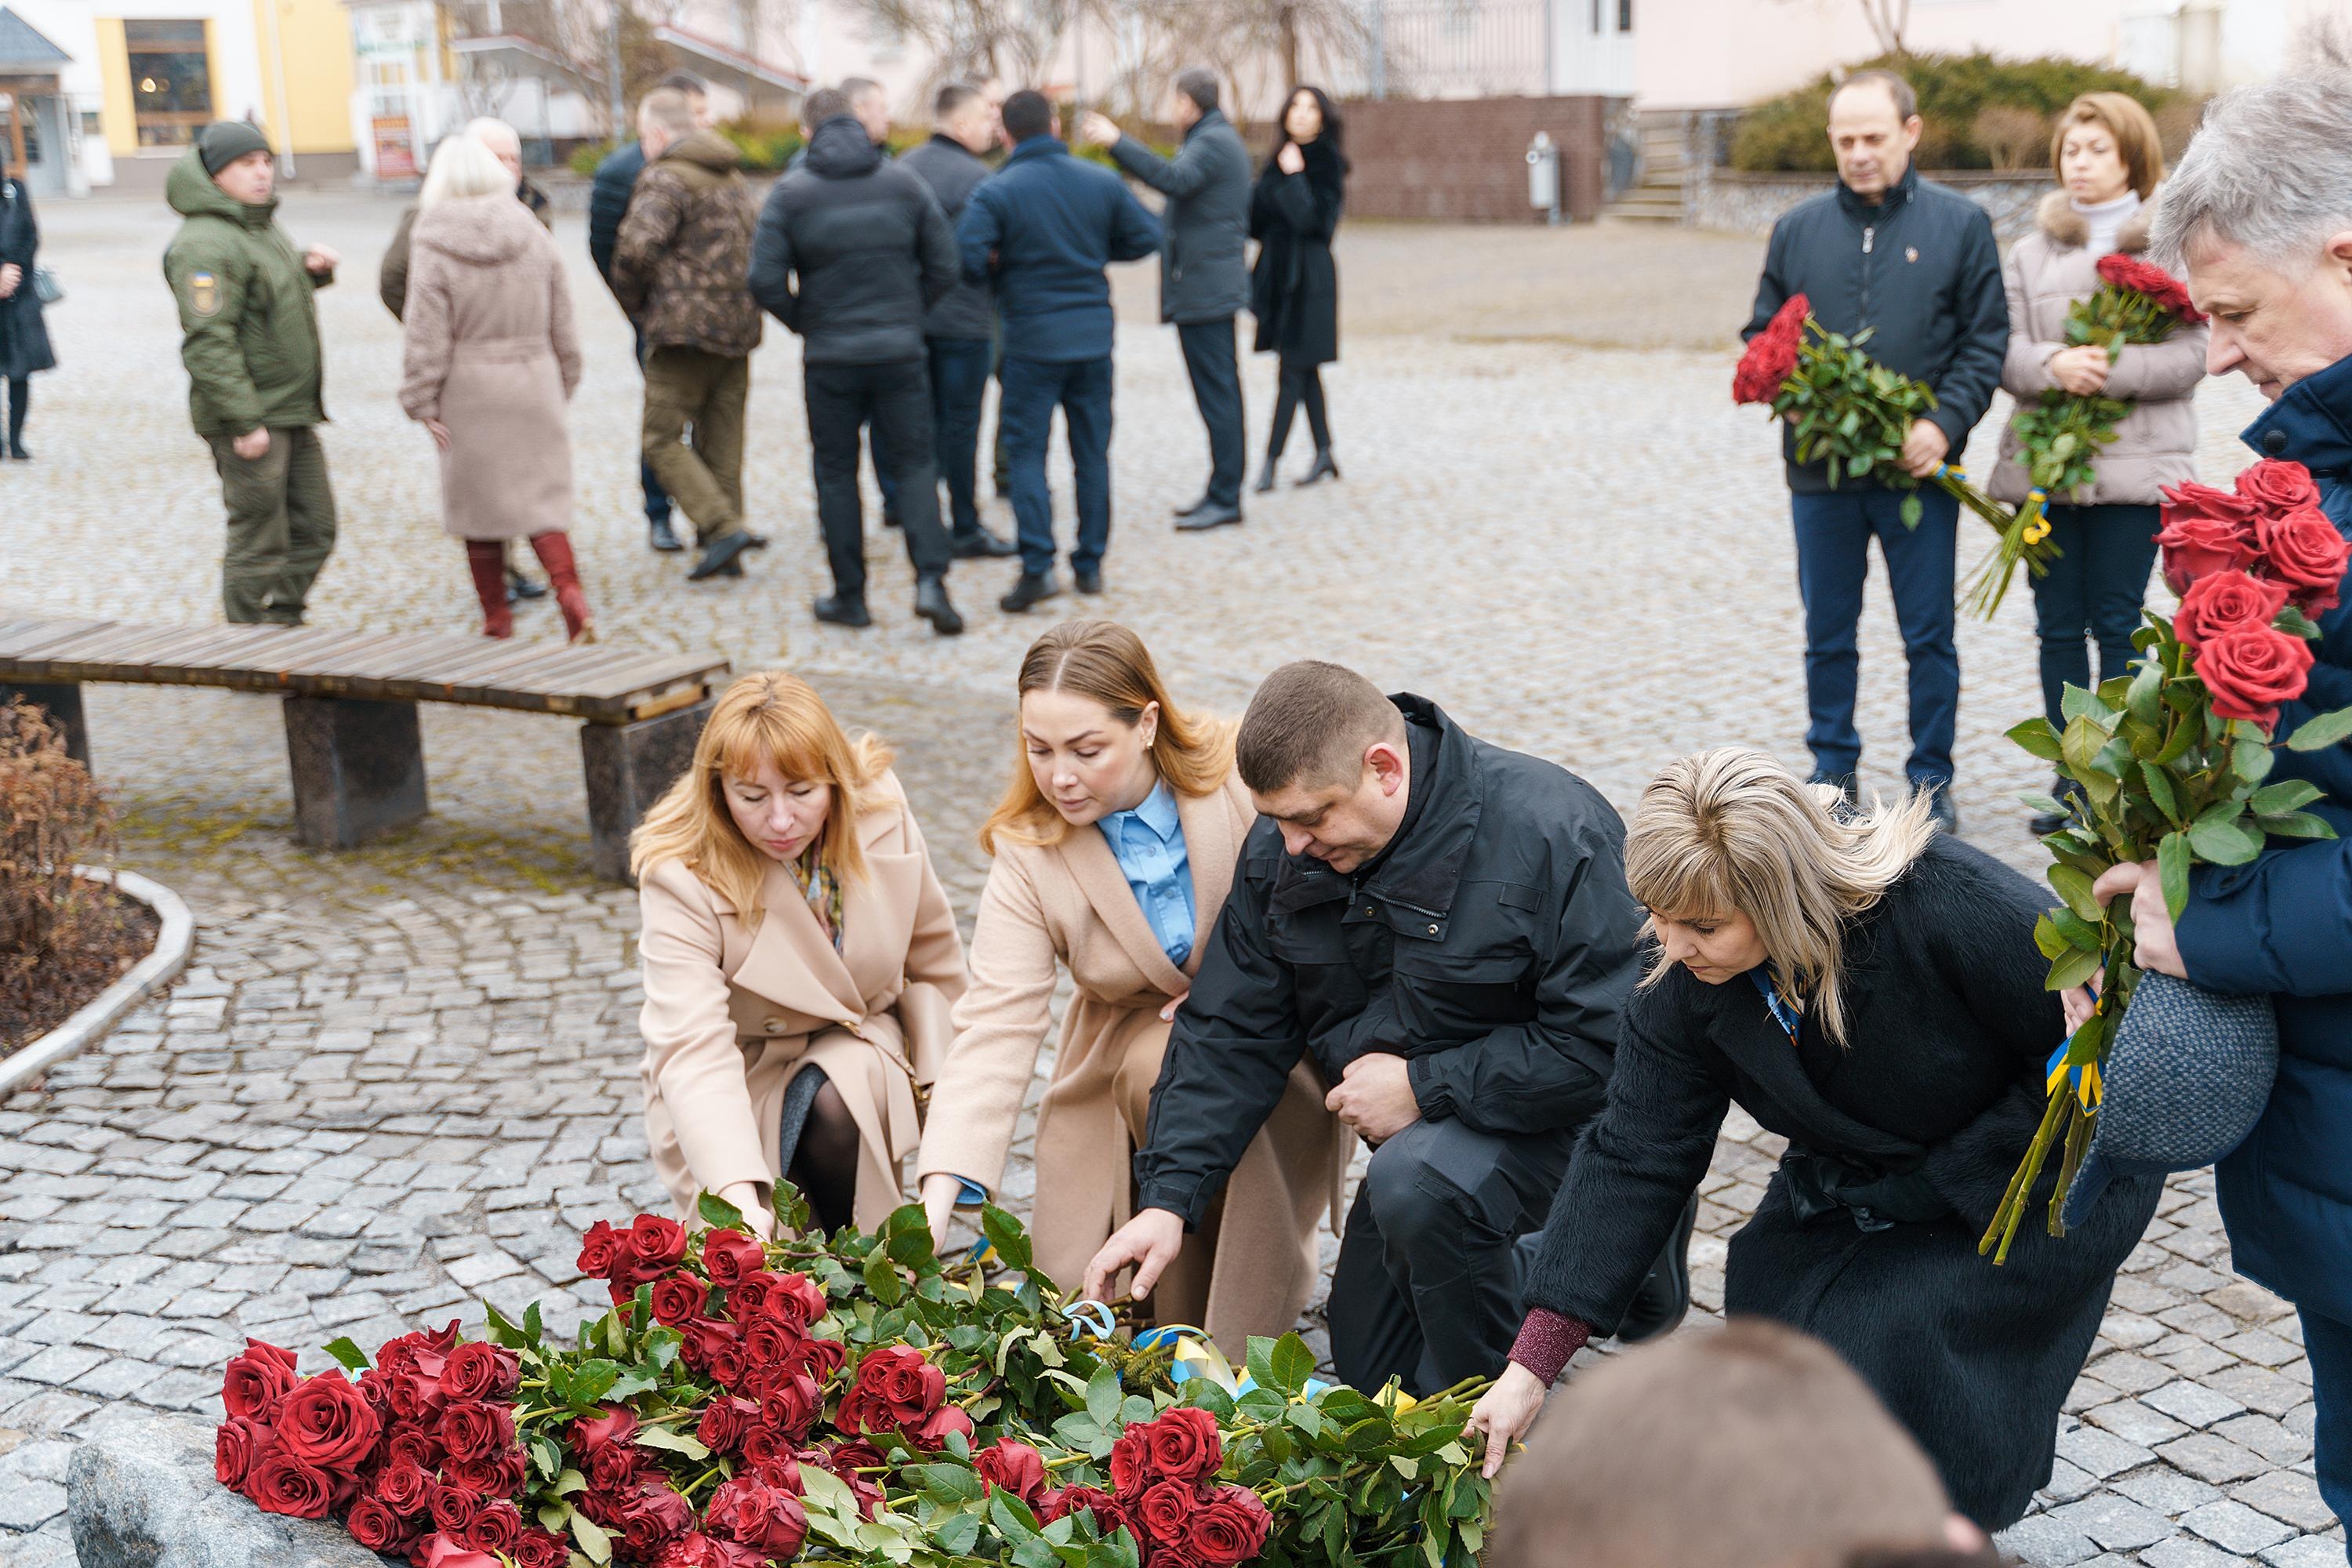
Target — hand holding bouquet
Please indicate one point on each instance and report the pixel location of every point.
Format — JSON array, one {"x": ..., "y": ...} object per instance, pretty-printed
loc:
[
  {"x": 2173, "y": 760},
  {"x": 1847, "y": 411},
  {"x": 2135, "y": 302}
]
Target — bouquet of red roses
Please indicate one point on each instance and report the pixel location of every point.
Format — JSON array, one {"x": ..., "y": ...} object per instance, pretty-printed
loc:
[
  {"x": 1847, "y": 412},
  {"x": 2135, "y": 302},
  {"x": 2172, "y": 761}
]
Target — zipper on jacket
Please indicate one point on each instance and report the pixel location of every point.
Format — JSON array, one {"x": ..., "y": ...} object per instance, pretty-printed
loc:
[{"x": 1869, "y": 236}]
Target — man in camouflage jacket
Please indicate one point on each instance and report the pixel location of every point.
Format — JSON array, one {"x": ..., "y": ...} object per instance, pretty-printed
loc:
[{"x": 680, "y": 269}]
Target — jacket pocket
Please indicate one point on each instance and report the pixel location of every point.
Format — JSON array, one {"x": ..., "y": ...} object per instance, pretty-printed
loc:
[{"x": 1464, "y": 994}]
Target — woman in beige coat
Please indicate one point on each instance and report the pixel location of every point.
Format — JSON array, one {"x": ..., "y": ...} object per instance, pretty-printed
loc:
[
  {"x": 488, "y": 362},
  {"x": 800, "y": 962},
  {"x": 1114, "y": 850},
  {"x": 2108, "y": 160}
]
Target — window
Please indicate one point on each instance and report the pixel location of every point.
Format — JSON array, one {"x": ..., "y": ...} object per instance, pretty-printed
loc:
[
  {"x": 171, "y": 81},
  {"x": 1624, "y": 16}
]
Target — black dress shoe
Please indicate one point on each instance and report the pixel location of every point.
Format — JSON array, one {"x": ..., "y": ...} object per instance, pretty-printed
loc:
[
  {"x": 1030, "y": 590},
  {"x": 758, "y": 541},
  {"x": 661, "y": 536},
  {"x": 1265, "y": 476},
  {"x": 718, "y": 554},
  {"x": 522, "y": 587},
  {"x": 842, "y": 610},
  {"x": 1089, "y": 580},
  {"x": 1322, "y": 467},
  {"x": 1189, "y": 508},
  {"x": 933, "y": 604},
  {"x": 1209, "y": 514},
  {"x": 1665, "y": 1296},
  {"x": 979, "y": 544},
  {"x": 17, "y": 452}
]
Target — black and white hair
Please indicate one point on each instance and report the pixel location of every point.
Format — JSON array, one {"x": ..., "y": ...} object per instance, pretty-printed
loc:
[{"x": 2269, "y": 169}]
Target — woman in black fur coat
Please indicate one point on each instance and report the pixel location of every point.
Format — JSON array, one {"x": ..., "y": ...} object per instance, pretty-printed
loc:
[
  {"x": 1294, "y": 286},
  {"x": 1871, "y": 992}
]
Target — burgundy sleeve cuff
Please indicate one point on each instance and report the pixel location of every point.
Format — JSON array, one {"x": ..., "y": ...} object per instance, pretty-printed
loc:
[{"x": 1547, "y": 1340}]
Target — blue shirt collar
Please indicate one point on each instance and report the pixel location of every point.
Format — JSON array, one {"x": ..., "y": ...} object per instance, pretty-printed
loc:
[
  {"x": 1158, "y": 813},
  {"x": 2310, "y": 423}
]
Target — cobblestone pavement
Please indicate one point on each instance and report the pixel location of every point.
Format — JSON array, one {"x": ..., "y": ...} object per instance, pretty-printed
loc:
[{"x": 396, "y": 1081}]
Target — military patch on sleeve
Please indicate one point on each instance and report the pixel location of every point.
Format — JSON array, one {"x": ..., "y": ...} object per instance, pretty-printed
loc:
[{"x": 203, "y": 293}]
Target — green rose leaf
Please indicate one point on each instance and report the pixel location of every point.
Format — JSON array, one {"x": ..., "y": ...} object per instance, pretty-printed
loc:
[
  {"x": 2287, "y": 795},
  {"x": 592, "y": 1538},
  {"x": 2072, "y": 970},
  {"x": 2172, "y": 861},
  {"x": 2160, "y": 790},
  {"x": 353, "y": 1358},
  {"x": 2046, "y": 938},
  {"x": 2038, "y": 737},
  {"x": 719, "y": 1214},
  {"x": 2295, "y": 825},
  {"x": 882, "y": 1278},
  {"x": 1103, "y": 1395},
  {"x": 1293, "y": 1363},
  {"x": 2318, "y": 735},
  {"x": 2224, "y": 843},
  {"x": 672, "y": 1442},
  {"x": 1004, "y": 1233},
  {"x": 2075, "y": 888}
]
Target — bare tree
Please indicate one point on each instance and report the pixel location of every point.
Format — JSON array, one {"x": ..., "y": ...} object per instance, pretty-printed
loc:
[
  {"x": 1264, "y": 45},
  {"x": 1888, "y": 19},
  {"x": 1012, "y": 39}
]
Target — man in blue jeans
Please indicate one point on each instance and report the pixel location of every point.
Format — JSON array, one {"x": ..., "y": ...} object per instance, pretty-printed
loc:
[
  {"x": 1045, "y": 227},
  {"x": 1915, "y": 264}
]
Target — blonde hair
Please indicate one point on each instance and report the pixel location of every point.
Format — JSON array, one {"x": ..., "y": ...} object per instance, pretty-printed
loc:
[
  {"x": 1732, "y": 830},
  {"x": 464, "y": 167},
  {"x": 2130, "y": 123},
  {"x": 1105, "y": 661},
  {"x": 768, "y": 718}
]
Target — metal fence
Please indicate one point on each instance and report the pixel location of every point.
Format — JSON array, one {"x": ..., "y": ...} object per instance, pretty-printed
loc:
[{"x": 1458, "y": 49}]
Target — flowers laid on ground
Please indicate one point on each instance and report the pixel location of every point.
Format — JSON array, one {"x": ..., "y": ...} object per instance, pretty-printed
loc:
[
  {"x": 2172, "y": 761},
  {"x": 844, "y": 1399},
  {"x": 1846, "y": 410},
  {"x": 2059, "y": 437}
]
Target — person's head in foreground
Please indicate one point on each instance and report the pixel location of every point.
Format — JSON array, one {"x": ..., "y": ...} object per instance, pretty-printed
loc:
[
  {"x": 1754, "y": 1446},
  {"x": 1325, "y": 756},
  {"x": 2259, "y": 214}
]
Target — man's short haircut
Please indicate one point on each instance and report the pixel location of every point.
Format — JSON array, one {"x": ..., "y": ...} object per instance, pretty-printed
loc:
[
  {"x": 1309, "y": 725},
  {"x": 854, "y": 88},
  {"x": 1027, "y": 113},
  {"x": 667, "y": 108},
  {"x": 951, "y": 99},
  {"x": 1753, "y": 1445},
  {"x": 1906, "y": 102},
  {"x": 2269, "y": 169},
  {"x": 1200, "y": 85},
  {"x": 687, "y": 83},
  {"x": 825, "y": 103}
]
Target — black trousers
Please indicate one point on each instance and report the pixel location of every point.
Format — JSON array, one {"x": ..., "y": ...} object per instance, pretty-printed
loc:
[
  {"x": 896, "y": 398},
  {"x": 1301, "y": 387},
  {"x": 1427, "y": 1285},
  {"x": 1217, "y": 390}
]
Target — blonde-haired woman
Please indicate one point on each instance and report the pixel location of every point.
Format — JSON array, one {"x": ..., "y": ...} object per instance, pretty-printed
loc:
[
  {"x": 1114, "y": 849},
  {"x": 800, "y": 962},
  {"x": 1870, "y": 991},
  {"x": 489, "y": 364},
  {"x": 2108, "y": 160}
]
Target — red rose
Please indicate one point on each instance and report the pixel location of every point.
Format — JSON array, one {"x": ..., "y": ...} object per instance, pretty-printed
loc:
[
  {"x": 2277, "y": 485},
  {"x": 1131, "y": 1463},
  {"x": 235, "y": 1445},
  {"x": 453, "y": 1511},
  {"x": 2145, "y": 277},
  {"x": 252, "y": 1383},
  {"x": 480, "y": 1370},
  {"x": 653, "y": 1518},
  {"x": 376, "y": 1527},
  {"x": 795, "y": 1298},
  {"x": 704, "y": 1338},
  {"x": 438, "y": 1551},
  {"x": 759, "y": 1515},
  {"x": 539, "y": 1549},
  {"x": 1232, "y": 1528},
  {"x": 678, "y": 1298},
  {"x": 782, "y": 1472},
  {"x": 764, "y": 1445},
  {"x": 654, "y": 1244},
  {"x": 2303, "y": 548},
  {"x": 1166, "y": 1512},
  {"x": 896, "y": 1388},
  {"x": 821, "y": 1358},
  {"x": 415, "y": 1445},
  {"x": 770, "y": 1346},
  {"x": 696, "y": 1550},
  {"x": 1183, "y": 1443},
  {"x": 2252, "y": 670},
  {"x": 403, "y": 1486},
  {"x": 2205, "y": 531},
  {"x": 475, "y": 1429},
  {"x": 280, "y": 1482},
  {"x": 327, "y": 1422},
  {"x": 1055, "y": 1501},
  {"x": 1013, "y": 1464},
  {"x": 488, "y": 1475},
  {"x": 726, "y": 1421},
  {"x": 599, "y": 1250},
  {"x": 729, "y": 1255},
  {"x": 2225, "y": 602},
  {"x": 932, "y": 1431},
  {"x": 496, "y": 1528},
  {"x": 747, "y": 1294},
  {"x": 790, "y": 1404},
  {"x": 1771, "y": 354}
]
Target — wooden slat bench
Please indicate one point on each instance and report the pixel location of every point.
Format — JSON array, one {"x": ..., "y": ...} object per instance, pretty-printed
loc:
[{"x": 351, "y": 706}]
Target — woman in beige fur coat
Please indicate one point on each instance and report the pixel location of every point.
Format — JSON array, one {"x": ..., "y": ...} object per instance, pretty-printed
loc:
[
  {"x": 489, "y": 364},
  {"x": 800, "y": 961},
  {"x": 1114, "y": 850}
]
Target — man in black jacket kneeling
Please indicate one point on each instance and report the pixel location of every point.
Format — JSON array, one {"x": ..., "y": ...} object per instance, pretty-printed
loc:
[{"x": 1444, "y": 924}]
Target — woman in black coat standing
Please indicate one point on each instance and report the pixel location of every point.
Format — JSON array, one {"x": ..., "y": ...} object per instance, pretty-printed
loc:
[
  {"x": 1870, "y": 991},
  {"x": 1294, "y": 287},
  {"x": 24, "y": 340}
]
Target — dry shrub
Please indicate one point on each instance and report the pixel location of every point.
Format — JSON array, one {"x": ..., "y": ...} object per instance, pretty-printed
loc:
[
  {"x": 57, "y": 934},
  {"x": 2011, "y": 135}
]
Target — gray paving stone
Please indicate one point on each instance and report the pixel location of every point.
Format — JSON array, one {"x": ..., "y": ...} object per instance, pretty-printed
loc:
[
  {"x": 2288, "y": 1495},
  {"x": 2102, "y": 1453},
  {"x": 27, "y": 1504},
  {"x": 2212, "y": 1458},
  {"x": 2307, "y": 1551},
  {"x": 2188, "y": 1551},
  {"x": 2045, "y": 1541},
  {"x": 2134, "y": 1422},
  {"x": 2237, "y": 1528},
  {"x": 2114, "y": 1523},
  {"x": 2191, "y": 1404}
]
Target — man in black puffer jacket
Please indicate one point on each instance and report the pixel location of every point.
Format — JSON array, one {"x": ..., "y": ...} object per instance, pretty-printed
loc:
[
  {"x": 1915, "y": 263},
  {"x": 850, "y": 251}
]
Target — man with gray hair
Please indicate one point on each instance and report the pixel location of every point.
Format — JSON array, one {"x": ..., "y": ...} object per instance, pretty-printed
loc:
[
  {"x": 2260, "y": 214},
  {"x": 1203, "y": 268}
]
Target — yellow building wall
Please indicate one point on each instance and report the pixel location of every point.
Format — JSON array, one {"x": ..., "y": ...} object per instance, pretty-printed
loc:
[
  {"x": 114, "y": 84},
  {"x": 312, "y": 98}
]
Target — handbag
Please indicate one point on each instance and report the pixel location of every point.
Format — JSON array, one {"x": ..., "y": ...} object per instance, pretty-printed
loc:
[{"x": 46, "y": 287}]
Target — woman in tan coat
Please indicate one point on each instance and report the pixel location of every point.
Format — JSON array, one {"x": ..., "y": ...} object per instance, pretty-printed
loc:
[
  {"x": 1114, "y": 850},
  {"x": 800, "y": 962},
  {"x": 488, "y": 362},
  {"x": 2108, "y": 160}
]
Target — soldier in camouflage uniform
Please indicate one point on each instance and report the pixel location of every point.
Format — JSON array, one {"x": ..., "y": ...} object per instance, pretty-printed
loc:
[{"x": 250, "y": 341}]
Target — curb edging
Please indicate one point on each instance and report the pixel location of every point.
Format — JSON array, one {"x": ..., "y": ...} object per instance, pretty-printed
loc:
[{"x": 174, "y": 941}]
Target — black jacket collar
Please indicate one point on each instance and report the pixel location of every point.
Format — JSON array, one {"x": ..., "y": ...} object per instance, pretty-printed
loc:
[
  {"x": 1898, "y": 196},
  {"x": 1421, "y": 867}
]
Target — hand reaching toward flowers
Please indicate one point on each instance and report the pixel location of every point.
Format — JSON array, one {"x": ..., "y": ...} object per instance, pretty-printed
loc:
[
  {"x": 1504, "y": 1412},
  {"x": 1151, "y": 1241},
  {"x": 745, "y": 1195}
]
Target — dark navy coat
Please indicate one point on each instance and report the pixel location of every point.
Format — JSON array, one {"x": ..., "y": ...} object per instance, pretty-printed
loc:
[
  {"x": 608, "y": 202},
  {"x": 2283, "y": 924},
  {"x": 1045, "y": 227}
]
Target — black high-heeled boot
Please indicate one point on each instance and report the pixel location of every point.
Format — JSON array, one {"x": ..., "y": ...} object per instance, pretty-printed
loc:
[
  {"x": 1265, "y": 476},
  {"x": 1323, "y": 468}
]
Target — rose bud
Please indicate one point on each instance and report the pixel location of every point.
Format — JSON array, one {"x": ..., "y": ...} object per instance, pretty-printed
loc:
[
  {"x": 454, "y": 1509},
  {"x": 480, "y": 1370},
  {"x": 403, "y": 1487},
  {"x": 2302, "y": 549},
  {"x": 726, "y": 1422},
  {"x": 1013, "y": 1464},
  {"x": 376, "y": 1527},
  {"x": 235, "y": 1445},
  {"x": 475, "y": 1429},
  {"x": 1230, "y": 1530},
  {"x": 1184, "y": 1444},
  {"x": 496, "y": 1528}
]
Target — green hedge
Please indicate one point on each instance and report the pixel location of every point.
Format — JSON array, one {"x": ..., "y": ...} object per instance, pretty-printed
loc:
[{"x": 1955, "y": 91}]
